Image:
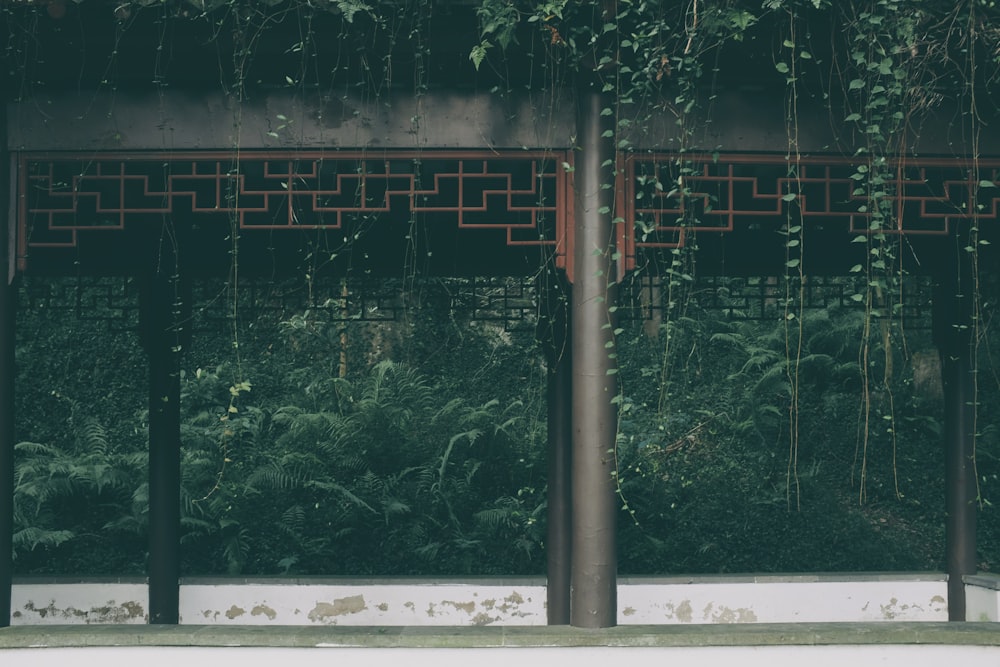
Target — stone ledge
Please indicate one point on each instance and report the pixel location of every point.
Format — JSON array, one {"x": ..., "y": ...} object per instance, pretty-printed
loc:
[
  {"x": 987, "y": 581},
  {"x": 984, "y": 580},
  {"x": 790, "y": 634}
]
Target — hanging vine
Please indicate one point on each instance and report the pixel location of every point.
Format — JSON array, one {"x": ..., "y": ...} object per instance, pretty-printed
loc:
[{"x": 792, "y": 54}]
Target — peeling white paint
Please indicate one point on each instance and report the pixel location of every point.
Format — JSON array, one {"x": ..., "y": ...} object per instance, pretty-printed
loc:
[
  {"x": 760, "y": 600},
  {"x": 328, "y": 612},
  {"x": 264, "y": 610},
  {"x": 389, "y": 602},
  {"x": 79, "y": 603},
  {"x": 366, "y": 604}
]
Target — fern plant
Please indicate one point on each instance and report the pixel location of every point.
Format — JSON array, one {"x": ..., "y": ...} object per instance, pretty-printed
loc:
[
  {"x": 384, "y": 478},
  {"x": 68, "y": 493}
]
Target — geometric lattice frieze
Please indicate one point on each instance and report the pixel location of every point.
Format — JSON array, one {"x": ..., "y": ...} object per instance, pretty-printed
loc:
[
  {"x": 64, "y": 196},
  {"x": 727, "y": 192},
  {"x": 489, "y": 201}
]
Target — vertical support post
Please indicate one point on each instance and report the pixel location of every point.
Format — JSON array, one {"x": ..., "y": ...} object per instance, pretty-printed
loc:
[
  {"x": 953, "y": 334},
  {"x": 8, "y": 313},
  {"x": 960, "y": 483},
  {"x": 558, "y": 545},
  {"x": 594, "y": 379},
  {"x": 162, "y": 308}
]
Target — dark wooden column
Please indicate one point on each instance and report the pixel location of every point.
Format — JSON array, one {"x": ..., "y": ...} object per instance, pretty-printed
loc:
[
  {"x": 555, "y": 337},
  {"x": 163, "y": 328},
  {"x": 8, "y": 312},
  {"x": 953, "y": 333},
  {"x": 594, "y": 382}
]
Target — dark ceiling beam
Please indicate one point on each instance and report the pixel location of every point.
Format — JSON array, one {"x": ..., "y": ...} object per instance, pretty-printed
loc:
[
  {"x": 193, "y": 120},
  {"x": 738, "y": 121}
]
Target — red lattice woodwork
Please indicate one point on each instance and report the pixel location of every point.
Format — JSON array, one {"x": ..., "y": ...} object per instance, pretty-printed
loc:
[
  {"x": 730, "y": 191},
  {"x": 526, "y": 195},
  {"x": 64, "y": 196}
]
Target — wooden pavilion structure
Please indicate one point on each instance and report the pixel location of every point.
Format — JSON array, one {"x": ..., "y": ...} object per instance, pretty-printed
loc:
[{"x": 152, "y": 181}]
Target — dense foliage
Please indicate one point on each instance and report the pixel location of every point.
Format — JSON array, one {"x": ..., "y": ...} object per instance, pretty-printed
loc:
[
  {"x": 301, "y": 467},
  {"x": 421, "y": 462},
  {"x": 806, "y": 440}
]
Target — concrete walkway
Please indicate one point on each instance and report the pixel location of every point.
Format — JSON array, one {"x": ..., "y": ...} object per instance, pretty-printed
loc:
[{"x": 756, "y": 645}]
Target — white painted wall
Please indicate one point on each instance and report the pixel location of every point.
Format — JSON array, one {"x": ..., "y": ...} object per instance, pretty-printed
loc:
[
  {"x": 71, "y": 603},
  {"x": 982, "y": 598},
  {"x": 369, "y": 604},
  {"x": 775, "y": 601},
  {"x": 656, "y": 601}
]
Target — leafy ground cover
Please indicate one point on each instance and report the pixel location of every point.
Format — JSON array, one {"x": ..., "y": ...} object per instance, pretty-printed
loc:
[{"x": 421, "y": 449}]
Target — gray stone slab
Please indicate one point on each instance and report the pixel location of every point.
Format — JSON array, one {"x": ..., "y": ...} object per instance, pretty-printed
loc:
[{"x": 804, "y": 634}]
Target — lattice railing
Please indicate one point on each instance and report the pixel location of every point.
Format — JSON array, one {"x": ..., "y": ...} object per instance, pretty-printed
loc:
[
  {"x": 507, "y": 302},
  {"x": 218, "y": 306},
  {"x": 772, "y": 298},
  {"x": 511, "y": 303},
  {"x": 114, "y": 301}
]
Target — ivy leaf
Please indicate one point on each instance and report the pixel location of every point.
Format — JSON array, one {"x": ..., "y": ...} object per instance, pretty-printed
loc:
[
  {"x": 987, "y": 184},
  {"x": 782, "y": 67}
]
